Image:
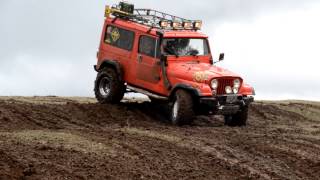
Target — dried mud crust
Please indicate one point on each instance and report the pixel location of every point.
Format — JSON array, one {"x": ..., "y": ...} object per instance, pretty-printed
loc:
[{"x": 77, "y": 138}]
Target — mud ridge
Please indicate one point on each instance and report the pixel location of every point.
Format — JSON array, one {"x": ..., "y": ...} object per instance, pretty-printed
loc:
[{"x": 77, "y": 138}]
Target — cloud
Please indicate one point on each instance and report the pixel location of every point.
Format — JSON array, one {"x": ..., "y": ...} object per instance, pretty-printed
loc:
[
  {"x": 277, "y": 53},
  {"x": 217, "y": 11},
  {"x": 50, "y": 27},
  {"x": 46, "y": 77},
  {"x": 48, "y": 47}
]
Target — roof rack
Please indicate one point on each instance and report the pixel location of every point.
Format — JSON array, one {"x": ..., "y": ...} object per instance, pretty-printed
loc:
[{"x": 152, "y": 18}]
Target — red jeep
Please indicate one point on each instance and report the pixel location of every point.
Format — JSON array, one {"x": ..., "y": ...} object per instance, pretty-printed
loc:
[{"x": 166, "y": 58}]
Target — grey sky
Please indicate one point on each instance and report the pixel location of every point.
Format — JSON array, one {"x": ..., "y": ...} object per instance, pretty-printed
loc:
[{"x": 48, "y": 47}]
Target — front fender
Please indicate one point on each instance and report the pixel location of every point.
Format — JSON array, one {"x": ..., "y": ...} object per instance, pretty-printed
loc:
[
  {"x": 186, "y": 87},
  {"x": 247, "y": 90}
]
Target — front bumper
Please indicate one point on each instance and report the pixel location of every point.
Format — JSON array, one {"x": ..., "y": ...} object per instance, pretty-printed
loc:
[{"x": 225, "y": 105}]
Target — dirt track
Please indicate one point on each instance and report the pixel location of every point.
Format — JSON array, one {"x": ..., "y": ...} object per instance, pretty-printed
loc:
[{"x": 75, "y": 138}]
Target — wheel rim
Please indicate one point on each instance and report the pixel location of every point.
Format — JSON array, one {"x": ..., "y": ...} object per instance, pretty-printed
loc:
[
  {"x": 175, "y": 110},
  {"x": 104, "y": 86}
]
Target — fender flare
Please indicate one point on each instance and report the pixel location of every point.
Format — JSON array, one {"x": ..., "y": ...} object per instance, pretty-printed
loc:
[
  {"x": 247, "y": 90},
  {"x": 113, "y": 64},
  {"x": 195, "y": 92}
]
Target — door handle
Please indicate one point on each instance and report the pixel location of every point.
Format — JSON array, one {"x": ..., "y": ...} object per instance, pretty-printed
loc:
[{"x": 140, "y": 58}]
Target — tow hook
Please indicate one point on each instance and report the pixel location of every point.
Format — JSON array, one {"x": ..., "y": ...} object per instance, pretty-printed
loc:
[{"x": 243, "y": 103}]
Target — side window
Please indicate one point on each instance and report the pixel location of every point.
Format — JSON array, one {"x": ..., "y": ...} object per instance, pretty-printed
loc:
[
  {"x": 147, "y": 46},
  {"x": 119, "y": 37}
]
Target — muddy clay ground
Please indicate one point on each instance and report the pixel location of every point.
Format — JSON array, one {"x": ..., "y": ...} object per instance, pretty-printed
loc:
[{"x": 76, "y": 138}]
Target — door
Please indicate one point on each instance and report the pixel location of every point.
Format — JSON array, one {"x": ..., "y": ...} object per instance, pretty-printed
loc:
[{"x": 148, "y": 66}]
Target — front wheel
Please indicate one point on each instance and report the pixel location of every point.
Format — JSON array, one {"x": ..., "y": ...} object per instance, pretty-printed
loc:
[
  {"x": 239, "y": 119},
  {"x": 108, "y": 88},
  {"x": 182, "y": 112}
]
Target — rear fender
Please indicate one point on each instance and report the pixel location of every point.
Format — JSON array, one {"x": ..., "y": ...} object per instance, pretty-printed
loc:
[{"x": 112, "y": 64}]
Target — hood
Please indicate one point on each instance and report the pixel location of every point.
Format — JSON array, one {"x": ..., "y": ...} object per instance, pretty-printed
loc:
[{"x": 199, "y": 71}]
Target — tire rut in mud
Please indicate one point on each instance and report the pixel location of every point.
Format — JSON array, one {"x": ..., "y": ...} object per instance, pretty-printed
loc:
[{"x": 77, "y": 138}]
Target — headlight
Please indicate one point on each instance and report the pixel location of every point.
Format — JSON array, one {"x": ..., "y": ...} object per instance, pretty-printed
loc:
[
  {"x": 235, "y": 90},
  {"x": 236, "y": 83},
  {"x": 228, "y": 90},
  {"x": 214, "y": 84}
]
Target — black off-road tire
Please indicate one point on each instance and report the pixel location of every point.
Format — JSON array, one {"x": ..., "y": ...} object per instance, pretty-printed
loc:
[
  {"x": 182, "y": 112},
  {"x": 116, "y": 87},
  {"x": 239, "y": 119}
]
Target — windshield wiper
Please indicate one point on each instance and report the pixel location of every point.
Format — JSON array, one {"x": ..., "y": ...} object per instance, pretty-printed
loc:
[
  {"x": 172, "y": 52},
  {"x": 193, "y": 52}
]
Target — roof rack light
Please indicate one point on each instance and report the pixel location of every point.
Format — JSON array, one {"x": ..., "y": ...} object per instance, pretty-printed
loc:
[
  {"x": 197, "y": 25},
  {"x": 187, "y": 25},
  {"x": 164, "y": 24},
  {"x": 176, "y": 25}
]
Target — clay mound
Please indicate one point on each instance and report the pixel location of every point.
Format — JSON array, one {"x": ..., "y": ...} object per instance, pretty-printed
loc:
[{"x": 76, "y": 138}]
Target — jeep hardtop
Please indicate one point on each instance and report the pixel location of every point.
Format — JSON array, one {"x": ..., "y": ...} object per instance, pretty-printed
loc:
[{"x": 166, "y": 58}]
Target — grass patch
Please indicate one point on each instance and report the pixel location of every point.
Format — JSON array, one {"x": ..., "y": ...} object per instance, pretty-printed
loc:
[
  {"x": 152, "y": 134},
  {"x": 59, "y": 139}
]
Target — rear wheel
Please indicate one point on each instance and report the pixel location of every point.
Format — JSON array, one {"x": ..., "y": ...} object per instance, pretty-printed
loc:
[
  {"x": 108, "y": 87},
  {"x": 182, "y": 112},
  {"x": 239, "y": 119}
]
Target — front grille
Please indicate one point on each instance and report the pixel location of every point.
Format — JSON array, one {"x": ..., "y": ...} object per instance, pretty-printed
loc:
[{"x": 222, "y": 85}]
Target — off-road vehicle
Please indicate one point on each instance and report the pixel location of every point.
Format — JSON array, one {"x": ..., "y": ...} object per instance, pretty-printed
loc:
[{"x": 166, "y": 58}]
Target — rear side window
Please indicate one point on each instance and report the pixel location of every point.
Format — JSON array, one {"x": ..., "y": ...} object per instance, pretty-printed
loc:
[
  {"x": 147, "y": 46},
  {"x": 119, "y": 37}
]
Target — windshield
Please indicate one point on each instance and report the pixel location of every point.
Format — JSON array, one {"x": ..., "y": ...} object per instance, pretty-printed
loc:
[{"x": 185, "y": 47}]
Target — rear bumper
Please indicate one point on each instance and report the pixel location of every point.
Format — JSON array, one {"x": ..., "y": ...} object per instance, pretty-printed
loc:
[{"x": 225, "y": 105}]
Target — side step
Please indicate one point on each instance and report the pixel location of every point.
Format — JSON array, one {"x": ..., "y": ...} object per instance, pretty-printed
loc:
[{"x": 147, "y": 93}]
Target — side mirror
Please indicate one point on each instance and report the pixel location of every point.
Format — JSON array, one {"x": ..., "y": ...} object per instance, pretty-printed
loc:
[{"x": 221, "y": 57}]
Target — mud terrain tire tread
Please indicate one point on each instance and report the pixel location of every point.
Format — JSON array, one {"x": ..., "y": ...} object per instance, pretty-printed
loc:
[
  {"x": 185, "y": 113},
  {"x": 117, "y": 88},
  {"x": 239, "y": 119}
]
